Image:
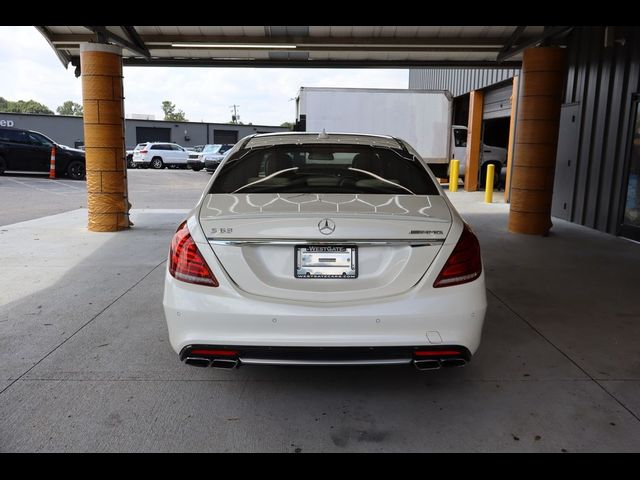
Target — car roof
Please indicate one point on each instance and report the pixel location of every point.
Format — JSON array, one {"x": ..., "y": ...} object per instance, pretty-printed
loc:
[
  {"x": 22, "y": 130},
  {"x": 317, "y": 138}
]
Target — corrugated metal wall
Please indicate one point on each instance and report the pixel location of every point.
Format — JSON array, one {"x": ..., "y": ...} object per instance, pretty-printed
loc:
[
  {"x": 602, "y": 81},
  {"x": 458, "y": 80}
]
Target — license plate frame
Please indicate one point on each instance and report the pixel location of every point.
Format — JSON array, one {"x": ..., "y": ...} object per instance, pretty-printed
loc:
[{"x": 326, "y": 262}]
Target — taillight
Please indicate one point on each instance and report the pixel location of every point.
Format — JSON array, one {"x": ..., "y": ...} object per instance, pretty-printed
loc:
[
  {"x": 214, "y": 353},
  {"x": 464, "y": 264},
  {"x": 142, "y": 151},
  {"x": 186, "y": 262},
  {"x": 436, "y": 353}
]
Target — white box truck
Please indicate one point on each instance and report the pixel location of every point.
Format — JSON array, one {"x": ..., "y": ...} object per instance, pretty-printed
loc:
[{"x": 421, "y": 117}]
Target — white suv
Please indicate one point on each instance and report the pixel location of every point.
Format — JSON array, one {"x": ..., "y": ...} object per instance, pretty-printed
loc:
[{"x": 159, "y": 155}]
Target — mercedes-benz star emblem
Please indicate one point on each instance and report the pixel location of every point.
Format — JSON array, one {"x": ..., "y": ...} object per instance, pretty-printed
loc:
[{"x": 326, "y": 226}]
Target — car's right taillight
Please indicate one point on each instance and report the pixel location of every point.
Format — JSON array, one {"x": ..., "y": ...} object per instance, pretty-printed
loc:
[
  {"x": 186, "y": 263},
  {"x": 464, "y": 264}
]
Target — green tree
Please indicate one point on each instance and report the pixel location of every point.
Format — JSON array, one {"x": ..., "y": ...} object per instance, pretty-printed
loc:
[
  {"x": 288, "y": 125},
  {"x": 70, "y": 108},
  {"x": 170, "y": 113},
  {"x": 30, "y": 106}
]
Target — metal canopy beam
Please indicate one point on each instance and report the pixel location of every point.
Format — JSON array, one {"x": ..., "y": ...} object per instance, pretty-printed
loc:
[
  {"x": 135, "y": 38},
  {"x": 46, "y": 33},
  {"x": 515, "y": 36},
  {"x": 117, "y": 39},
  {"x": 291, "y": 63},
  {"x": 547, "y": 34},
  {"x": 397, "y": 42},
  {"x": 331, "y": 48}
]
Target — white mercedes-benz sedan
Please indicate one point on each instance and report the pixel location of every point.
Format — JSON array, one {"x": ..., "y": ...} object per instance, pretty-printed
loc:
[{"x": 324, "y": 249}]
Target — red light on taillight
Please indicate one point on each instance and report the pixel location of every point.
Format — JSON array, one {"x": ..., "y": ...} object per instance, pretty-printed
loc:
[
  {"x": 143, "y": 151},
  {"x": 436, "y": 353},
  {"x": 186, "y": 262},
  {"x": 215, "y": 353},
  {"x": 464, "y": 264}
]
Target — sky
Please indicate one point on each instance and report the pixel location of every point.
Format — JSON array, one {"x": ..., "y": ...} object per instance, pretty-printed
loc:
[{"x": 31, "y": 71}]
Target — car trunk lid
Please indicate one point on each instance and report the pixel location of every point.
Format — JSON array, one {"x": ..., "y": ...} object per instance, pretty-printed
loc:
[{"x": 254, "y": 237}]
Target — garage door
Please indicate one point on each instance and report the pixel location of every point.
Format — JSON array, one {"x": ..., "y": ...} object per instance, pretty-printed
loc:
[
  {"x": 225, "y": 136},
  {"x": 152, "y": 134},
  {"x": 497, "y": 102}
]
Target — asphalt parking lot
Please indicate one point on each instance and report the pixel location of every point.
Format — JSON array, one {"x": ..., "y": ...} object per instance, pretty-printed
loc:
[
  {"x": 48, "y": 197},
  {"x": 85, "y": 363}
]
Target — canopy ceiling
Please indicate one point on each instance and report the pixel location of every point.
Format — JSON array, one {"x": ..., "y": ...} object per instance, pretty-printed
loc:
[{"x": 308, "y": 46}]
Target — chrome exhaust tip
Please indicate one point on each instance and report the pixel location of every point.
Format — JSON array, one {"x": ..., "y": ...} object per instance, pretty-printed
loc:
[
  {"x": 224, "y": 363},
  {"x": 198, "y": 361},
  {"x": 453, "y": 362},
  {"x": 427, "y": 364}
]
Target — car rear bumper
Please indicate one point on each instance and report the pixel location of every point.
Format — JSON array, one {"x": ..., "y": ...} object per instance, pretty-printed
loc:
[
  {"x": 211, "y": 166},
  {"x": 199, "y": 315},
  {"x": 195, "y": 163},
  {"x": 424, "y": 358}
]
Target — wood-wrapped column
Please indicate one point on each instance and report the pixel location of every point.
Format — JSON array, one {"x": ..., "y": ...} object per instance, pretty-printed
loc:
[
  {"x": 474, "y": 136},
  {"x": 512, "y": 137},
  {"x": 103, "y": 102},
  {"x": 536, "y": 140}
]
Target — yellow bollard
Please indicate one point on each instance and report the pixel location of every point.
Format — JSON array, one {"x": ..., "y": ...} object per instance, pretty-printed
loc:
[
  {"x": 488, "y": 190},
  {"x": 454, "y": 168}
]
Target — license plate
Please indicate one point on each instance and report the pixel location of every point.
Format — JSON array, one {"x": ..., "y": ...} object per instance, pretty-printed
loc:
[{"x": 326, "y": 261}]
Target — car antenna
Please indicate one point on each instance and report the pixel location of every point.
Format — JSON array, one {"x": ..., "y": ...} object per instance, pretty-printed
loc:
[{"x": 323, "y": 134}]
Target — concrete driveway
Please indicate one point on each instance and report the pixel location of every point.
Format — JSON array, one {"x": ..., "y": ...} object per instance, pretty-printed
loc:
[{"x": 85, "y": 363}]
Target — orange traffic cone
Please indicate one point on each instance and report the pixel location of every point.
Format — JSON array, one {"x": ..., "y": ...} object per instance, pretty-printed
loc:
[{"x": 52, "y": 165}]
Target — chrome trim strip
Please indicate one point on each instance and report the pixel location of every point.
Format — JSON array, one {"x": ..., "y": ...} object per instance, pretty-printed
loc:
[
  {"x": 268, "y": 241},
  {"x": 265, "y": 361}
]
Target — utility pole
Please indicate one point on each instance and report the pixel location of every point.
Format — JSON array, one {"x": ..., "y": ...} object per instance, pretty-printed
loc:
[{"x": 235, "y": 118}]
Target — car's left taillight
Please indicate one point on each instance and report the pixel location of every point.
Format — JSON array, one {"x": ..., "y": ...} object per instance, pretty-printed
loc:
[
  {"x": 464, "y": 264},
  {"x": 186, "y": 263}
]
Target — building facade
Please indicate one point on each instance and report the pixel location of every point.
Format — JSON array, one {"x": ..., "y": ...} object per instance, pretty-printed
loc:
[
  {"x": 597, "y": 173},
  {"x": 68, "y": 130}
]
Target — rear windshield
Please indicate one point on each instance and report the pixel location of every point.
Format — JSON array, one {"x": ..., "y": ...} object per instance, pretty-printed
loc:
[{"x": 324, "y": 169}]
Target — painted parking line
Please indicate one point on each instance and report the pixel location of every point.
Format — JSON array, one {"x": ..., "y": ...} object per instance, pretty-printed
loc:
[
  {"x": 48, "y": 187},
  {"x": 72, "y": 184}
]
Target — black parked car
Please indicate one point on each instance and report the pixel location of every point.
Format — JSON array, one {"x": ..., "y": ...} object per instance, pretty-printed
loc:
[{"x": 29, "y": 151}]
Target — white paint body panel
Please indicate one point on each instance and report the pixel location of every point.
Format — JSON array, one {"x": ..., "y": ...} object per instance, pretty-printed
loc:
[
  {"x": 267, "y": 270},
  {"x": 196, "y": 315}
]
